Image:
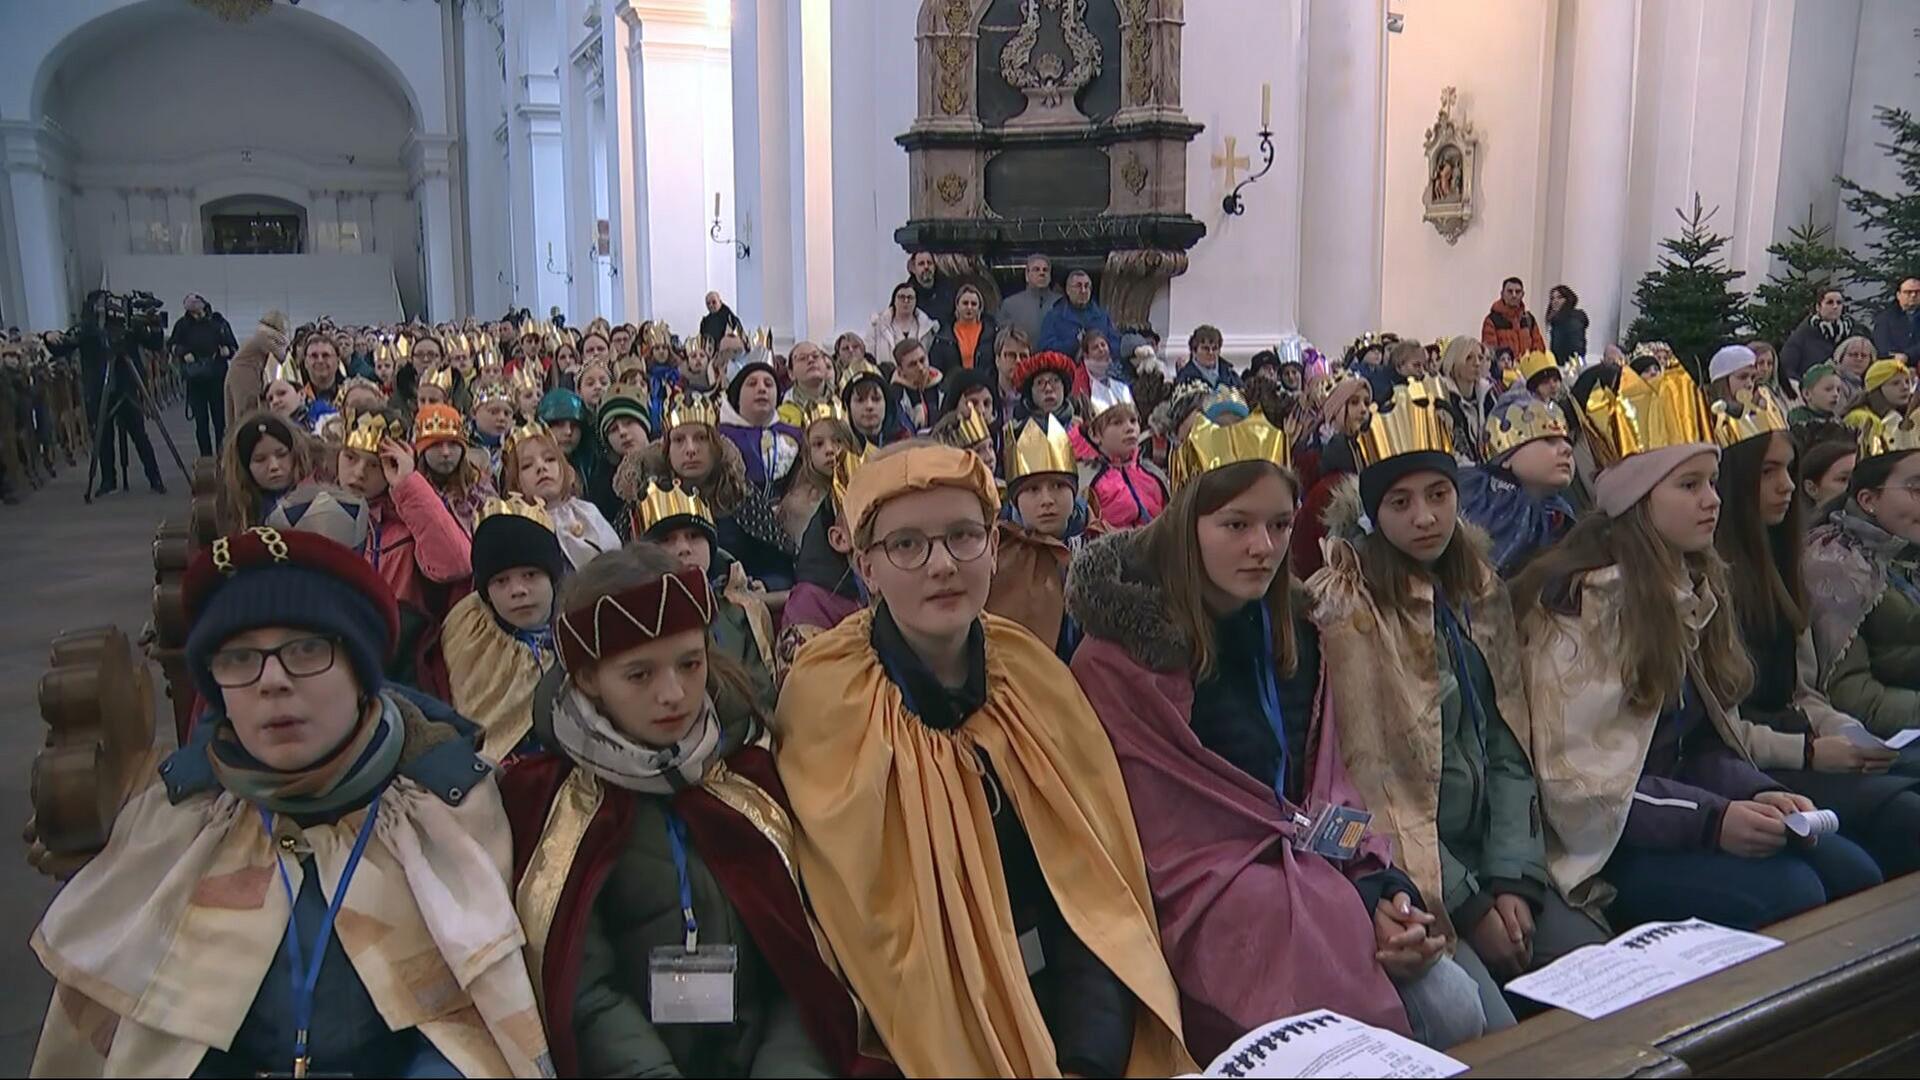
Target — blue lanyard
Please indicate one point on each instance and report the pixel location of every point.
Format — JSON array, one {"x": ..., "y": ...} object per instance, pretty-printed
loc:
[
  {"x": 677, "y": 843},
  {"x": 1270, "y": 700},
  {"x": 373, "y": 544},
  {"x": 1457, "y": 649},
  {"x": 306, "y": 975}
]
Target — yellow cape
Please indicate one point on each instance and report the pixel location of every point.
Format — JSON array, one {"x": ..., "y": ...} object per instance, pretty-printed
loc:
[
  {"x": 897, "y": 852},
  {"x": 493, "y": 675}
]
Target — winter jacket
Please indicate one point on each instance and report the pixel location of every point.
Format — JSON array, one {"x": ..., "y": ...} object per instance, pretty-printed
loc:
[
  {"x": 1865, "y": 585},
  {"x": 1027, "y": 309},
  {"x": 918, "y": 407},
  {"x": 945, "y": 350},
  {"x": 1223, "y": 375},
  {"x": 1511, "y": 328},
  {"x": 246, "y": 374},
  {"x": 425, "y": 556},
  {"x": 883, "y": 335},
  {"x": 202, "y": 339},
  {"x": 1060, "y": 331},
  {"x": 1812, "y": 342},
  {"x": 1519, "y": 525},
  {"x": 1128, "y": 494},
  {"x": 1896, "y": 331},
  {"x": 1567, "y": 334}
]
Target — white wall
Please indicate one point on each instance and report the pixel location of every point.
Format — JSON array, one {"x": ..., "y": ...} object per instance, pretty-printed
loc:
[
  {"x": 1885, "y": 72},
  {"x": 874, "y": 80},
  {"x": 1499, "y": 54},
  {"x": 1819, "y": 88},
  {"x": 1244, "y": 275}
]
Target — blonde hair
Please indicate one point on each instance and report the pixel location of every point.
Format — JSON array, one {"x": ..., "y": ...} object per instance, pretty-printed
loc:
[{"x": 510, "y": 467}]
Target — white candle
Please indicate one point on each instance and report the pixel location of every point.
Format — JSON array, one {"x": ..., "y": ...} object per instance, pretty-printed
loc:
[
  {"x": 716, "y": 206},
  {"x": 1266, "y": 109}
]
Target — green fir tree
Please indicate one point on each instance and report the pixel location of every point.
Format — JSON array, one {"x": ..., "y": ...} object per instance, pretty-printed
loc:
[
  {"x": 1688, "y": 300},
  {"x": 1809, "y": 265}
]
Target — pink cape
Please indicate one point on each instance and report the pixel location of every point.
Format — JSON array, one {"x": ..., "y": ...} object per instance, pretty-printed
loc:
[{"x": 1253, "y": 930}]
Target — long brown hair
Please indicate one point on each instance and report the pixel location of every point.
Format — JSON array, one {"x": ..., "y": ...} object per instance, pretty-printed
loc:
[
  {"x": 510, "y": 467},
  {"x": 639, "y": 563},
  {"x": 1652, "y": 637},
  {"x": 237, "y": 505},
  {"x": 1461, "y": 573},
  {"x": 1766, "y": 560},
  {"x": 1173, "y": 548}
]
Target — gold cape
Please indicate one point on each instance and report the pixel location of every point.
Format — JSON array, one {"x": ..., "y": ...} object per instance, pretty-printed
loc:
[
  {"x": 898, "y": 854},
  {"x": 493, "y": 675}
]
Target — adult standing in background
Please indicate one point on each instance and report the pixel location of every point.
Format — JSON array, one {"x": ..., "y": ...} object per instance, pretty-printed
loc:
[
  {"x": 1064, "y": 323},
  {"x": 1814, "y": 340},
  {"x": 966, "y": 342},
  {"x": 246, "y": 376},
  {"x": 1897, "y": 329},
  {"x": 717, "y": 321},
  {"x": 1027, "y": 309},
  {"x": 900, "y": 320},
  {"x": 933, "y": 293},
  {"x": 203, "y": 342},
  {"x": 1566, "y": 324},
  {"x": 1509, "y": 325}
]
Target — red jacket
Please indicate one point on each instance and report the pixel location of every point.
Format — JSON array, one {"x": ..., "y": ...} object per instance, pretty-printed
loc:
[
  {"x": 1511, "y": 328},
  {"x": 427, "y": 560}
]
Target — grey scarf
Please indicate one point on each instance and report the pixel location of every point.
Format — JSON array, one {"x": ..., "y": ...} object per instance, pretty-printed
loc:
[{"x": 590, "y": 739}]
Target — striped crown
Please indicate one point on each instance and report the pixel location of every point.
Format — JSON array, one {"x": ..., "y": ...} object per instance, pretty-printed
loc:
[{"x": 1412, "y": 421}]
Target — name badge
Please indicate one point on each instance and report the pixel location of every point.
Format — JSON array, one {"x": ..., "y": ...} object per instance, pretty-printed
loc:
[
  {"x": 692, "y": 986},
  {"x": 1331, "y": 832},
  {"x": 1030, "y": 951}
]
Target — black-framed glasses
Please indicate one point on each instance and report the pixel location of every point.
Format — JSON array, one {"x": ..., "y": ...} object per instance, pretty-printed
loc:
[
  {"x": 909, "y": 549},
  {"x": 301, "y": 658}
]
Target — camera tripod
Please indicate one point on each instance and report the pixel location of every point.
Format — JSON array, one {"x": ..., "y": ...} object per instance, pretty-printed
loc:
[{"x": 142, "y": 401}]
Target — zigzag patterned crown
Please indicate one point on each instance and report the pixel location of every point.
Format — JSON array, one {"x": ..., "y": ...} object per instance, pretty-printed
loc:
[
  {"x": 663, "y": 503},
  {"x": 691, "y": 408},
  {"x": 610, "y": 625},
  {"x": 1411, "y": 422},
  {"x": 1211, "y": 446},
  {"x": 1040, "y": 445},
  {"x": 515, "y": 505},
  {"x": 1753, "y": 415}
]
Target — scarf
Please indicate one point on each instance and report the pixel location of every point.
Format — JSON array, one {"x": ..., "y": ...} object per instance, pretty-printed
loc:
[
  {"x": 590, "y": 739},
  {"x": 341, "y": 779}
]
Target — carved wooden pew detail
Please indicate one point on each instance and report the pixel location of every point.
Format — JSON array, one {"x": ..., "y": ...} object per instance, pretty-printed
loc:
[{"x": 97, "y": 700}]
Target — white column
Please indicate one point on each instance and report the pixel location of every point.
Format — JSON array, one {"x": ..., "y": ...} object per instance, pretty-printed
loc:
[
  {"x": 1601, "y": 112},
  {"x": 810, "y": 103},
  {"x": 39, "y": 245},
  {"x": 429, "y": 173},
  {"x": 679, "y": 42},
  {"x": 762, "y": 157},
  {"x": 626, "y": 161},
  {"x": 1344, "y": 187},
  {"x": 581, "y": 80}
]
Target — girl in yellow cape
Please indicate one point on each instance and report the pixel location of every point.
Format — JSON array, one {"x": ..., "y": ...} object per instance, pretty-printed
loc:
[{"x": 965, "y": 835}]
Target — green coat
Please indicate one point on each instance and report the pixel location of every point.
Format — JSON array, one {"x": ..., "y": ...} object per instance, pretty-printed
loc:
[
  {"x": 1877, "y": 678},
  {"x": 734, "y": 637},
  {"x": 1489, "y": 821}
]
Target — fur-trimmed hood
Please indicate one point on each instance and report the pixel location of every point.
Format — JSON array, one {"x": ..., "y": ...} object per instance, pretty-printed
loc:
[
  {"x": 1111, "y": 595},
  {"x": 1343, "y": 514}
]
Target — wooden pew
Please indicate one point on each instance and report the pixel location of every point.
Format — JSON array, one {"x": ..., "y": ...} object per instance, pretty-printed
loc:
[{"x": 1842, "y": 998}]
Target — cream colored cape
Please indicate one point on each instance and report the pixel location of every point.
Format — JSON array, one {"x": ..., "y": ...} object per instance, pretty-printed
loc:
[
  {"x": 493, "y": 675},
  {"x": 158, "y": 946},
  {"x": 898, "y": 855}
]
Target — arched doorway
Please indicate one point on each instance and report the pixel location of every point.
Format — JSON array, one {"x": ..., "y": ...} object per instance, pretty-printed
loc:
[{"x": 253, "y": 225}]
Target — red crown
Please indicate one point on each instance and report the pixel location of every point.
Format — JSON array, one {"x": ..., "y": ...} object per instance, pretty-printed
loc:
[{"x": 261, "y": 547}]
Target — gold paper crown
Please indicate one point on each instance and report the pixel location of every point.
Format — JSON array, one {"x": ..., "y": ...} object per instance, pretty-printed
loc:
[
  {"x": 1041, "y": 445},
  {"x": 1889, "y": 434},
  {"x": 283, "y": 368},
  {"x": 1643, "y": 417},
  {"x": 657, "y": 333},
  {"x": 491, "y": 394},
  {"x": 531, "y": 430},
  {"x": 515, "y": 505},
  {"x": 442, "y": 378},
  {"x": 1754, "y": 415},
  {"x": 1211, "y": 446},
  {"x": 1104, "y": 396},
  {"x": 403, "y": 346},
  {"x": 843, "y": 470},
  {"x": 1534, "y": 363},
  {"x": 691, "y": 408},
  {"x": 973, "y": 426},
  {"x": 1520, "y": 424},
  {"x": 438, "y": 422},
  {"x": 670, "y": 502},
  {"x": 366, "y": 431},
  {"x": 528, "y": 376},
  {"x": 827, "y": 408},
  {"x": 1411, "y": 422}
]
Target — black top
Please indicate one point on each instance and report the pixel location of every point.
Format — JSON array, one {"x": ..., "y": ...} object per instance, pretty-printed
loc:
[{"x": 1089, "y": 1011}]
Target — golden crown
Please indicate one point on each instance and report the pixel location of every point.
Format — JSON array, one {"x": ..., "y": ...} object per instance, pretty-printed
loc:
[
  {"x": 403, "y": 346},
  {"x": 515, "y": 505},
  {"x": 1754, "y": 415},
  {"x": 1410, "y": 422},
  {"x": 527, "y": 377},
  {"x": 1106, "y": 395},
  {"x": 1211, "y": 446},
  {"x": 691, "y": 408},
  {"x": 442, "y": 378},
  {"x": 1889, "y": 434},
  {"x": 1535, "y": 362},
  {"x": 283, "y": 369},
  {"x": 843, "y": 470},
  {"x": 974, "y": 427},
  {"x": 492, "y": 393},
  {"x": 670, "y": 502},
  {"x": 531, "y": 430},
  {"x": 1519, "y": 424},
  {"x": 438, "y": 422},
  {"x": 366, "y": 431},
  {"x": 827, "y": 408},
  {"x": 1041, "y": 445},
  {"x": 657, "y": 333},
  {"x": 1643, "y": 416}
]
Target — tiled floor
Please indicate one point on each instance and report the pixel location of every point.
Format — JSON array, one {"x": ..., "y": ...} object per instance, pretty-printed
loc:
[{"x": 64, "y": 565}]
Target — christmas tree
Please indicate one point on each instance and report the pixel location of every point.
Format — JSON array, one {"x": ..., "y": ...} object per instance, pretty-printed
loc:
[
  {"x": 1809, "y": 266},
  {"x": 1891, "y": 219},
  {"x": 1688, "y": 300}
]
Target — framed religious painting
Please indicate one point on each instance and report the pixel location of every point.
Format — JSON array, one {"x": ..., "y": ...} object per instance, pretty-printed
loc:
[{"x": 1453, "y": 150}]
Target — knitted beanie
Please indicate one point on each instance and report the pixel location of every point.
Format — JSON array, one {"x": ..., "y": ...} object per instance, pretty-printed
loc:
[
  {"x": 1377, "y": 479},
  {"x": 504, "y": 542},
  {"x": 615, "y": 406}
]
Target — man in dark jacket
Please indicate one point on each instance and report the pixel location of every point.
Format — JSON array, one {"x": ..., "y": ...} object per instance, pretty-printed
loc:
[
  {"x": 1897, "y": 329},
  {"x": 1813, "y": 341},
  {"x": 1066, "y": 321},
  {"x": 1203, "y": 361},
  {"x": 932, "y": 293},
  {"x": 1509, "y": 324},
  {"x": 202, "y": 342},
  {"x": 717, "y": 321}
]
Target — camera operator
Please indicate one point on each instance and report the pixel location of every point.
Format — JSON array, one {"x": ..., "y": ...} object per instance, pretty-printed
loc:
[
  {"x": 109, "y": 338},
  {"x": 202, "y": 342}
]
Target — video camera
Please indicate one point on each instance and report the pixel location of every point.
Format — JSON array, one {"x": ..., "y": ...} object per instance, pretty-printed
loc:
[{"x": 138, "y": 313}]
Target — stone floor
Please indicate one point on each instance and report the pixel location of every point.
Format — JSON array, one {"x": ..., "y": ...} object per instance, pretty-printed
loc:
[{"x": 67, "y": 565}]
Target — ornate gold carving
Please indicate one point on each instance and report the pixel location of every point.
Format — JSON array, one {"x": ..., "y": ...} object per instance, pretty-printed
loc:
[
  {"x": 952, "y": 188},
  {"x": 1137, "y": 43},
  {"x": 953, "y": 52},
  {"x": 1453, "y": 147},
  {"x": 1134, "y": 173}
]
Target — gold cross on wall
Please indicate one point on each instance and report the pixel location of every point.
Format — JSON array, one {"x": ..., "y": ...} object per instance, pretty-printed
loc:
[{"x": 1229, "y": 161}]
